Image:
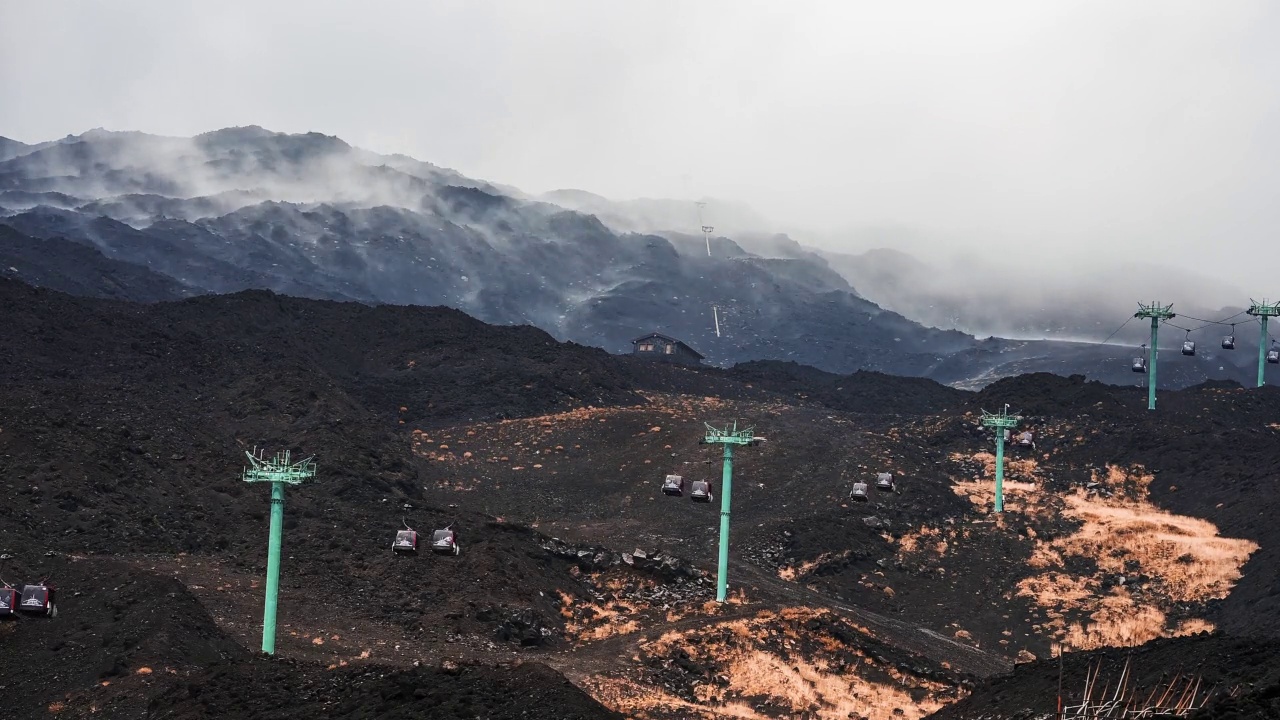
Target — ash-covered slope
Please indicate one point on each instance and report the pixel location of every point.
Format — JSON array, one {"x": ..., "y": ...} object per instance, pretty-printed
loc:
[
  {"x": 122, "y": 428},
  {"x": 131, "y": 643}
]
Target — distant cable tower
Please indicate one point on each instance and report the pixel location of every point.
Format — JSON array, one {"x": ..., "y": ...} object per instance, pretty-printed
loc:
[{"x": 706, "y": 229}]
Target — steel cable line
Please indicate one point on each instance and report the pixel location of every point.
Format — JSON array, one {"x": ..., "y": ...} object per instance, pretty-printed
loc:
[
  {"x": 1113, "y": 333},
  {"x": 1223, "y": 321}
]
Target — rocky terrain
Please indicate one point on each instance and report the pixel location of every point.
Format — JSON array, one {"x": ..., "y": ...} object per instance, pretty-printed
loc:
[
  {"x": 582, "y": 590},
  {"x": 127, "y": 215}
]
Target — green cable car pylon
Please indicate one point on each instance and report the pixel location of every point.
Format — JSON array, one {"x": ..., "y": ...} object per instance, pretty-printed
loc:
[
  {"x": 1263, "y": 311},
  {"x": 278, "y": 471},
  {"x": 1156, "y": 312},
  {"x": 727, "y": 437},
  {"x": 1001, "y": 422}
]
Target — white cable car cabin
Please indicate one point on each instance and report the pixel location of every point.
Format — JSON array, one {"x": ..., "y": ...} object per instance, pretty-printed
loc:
[
  {"x": 700, "y": 491},
  {"x": 673, "y": 485},
  {"x": 1273, "y": 356},
  {"x": 1188, "y": 347},
  {"x": 884, "y": 481},
  {"x": 1229, "y": 342},
  {"x": 445, "y": 542},
  {"x": 406, "y": 541},
  {"x": 1139, "y": 364},
  {"x": 859, "y": 492},
  {"x": 1026, "y": 439}
]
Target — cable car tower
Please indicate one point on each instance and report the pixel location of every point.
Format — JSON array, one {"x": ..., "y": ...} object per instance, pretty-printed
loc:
[
  {"x": 1001, "y": 423},
  {"x": 706, "y": 236},
  {"x": 1263, "y": 311},
  {"x": 278, "y": 471},
  {"x": 728, "y": 437},
  {"x": 1156, "y": 312},
  {"x": 706, "y": 229}
]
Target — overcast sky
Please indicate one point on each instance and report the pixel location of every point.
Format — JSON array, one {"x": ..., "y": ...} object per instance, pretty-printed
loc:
[{"x": 1046, "y": 129}]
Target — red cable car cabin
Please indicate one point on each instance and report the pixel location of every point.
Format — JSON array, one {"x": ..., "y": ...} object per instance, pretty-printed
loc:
[
  {"x": 406, "y": 541},
  {"x": 445, "y": 542},
  {"x": 8, "y": 602},
  {"x": 38, "y": 599}
]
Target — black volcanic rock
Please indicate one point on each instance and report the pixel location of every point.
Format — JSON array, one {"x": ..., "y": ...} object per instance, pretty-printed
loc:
[{"x": 76, "y": 269}]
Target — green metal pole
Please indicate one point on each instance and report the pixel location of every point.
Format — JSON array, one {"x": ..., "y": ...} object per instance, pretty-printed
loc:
[
  {"x": 726, "y": 491},
  {"x": 1262, "y": 354},
  {"x": 1000, "y": 469},
  {"x": 1151, "y": 365},
  {"x": 273, "y": 569}
]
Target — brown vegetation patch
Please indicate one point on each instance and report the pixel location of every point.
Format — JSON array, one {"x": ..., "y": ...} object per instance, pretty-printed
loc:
[
  {"x": 1160, "y": 559},
  {"x": 792, "y": 573},
  {"x": 794, "y": 662}
]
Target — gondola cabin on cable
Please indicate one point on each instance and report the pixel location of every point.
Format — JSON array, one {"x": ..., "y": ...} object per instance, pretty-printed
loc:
[
  {"x": 406, "y": 541},
  {"x": 700, "y": 492},
  {"x": 445, "y": 542},
  {"x": 859, "y": 492},
  {"x": 1026, "y": 439},
  {"x": 38, "y": 600},
  {"x": 673, "y": 485},
  {"x": 1188, "y": 347},
  {"x": 1229, "y": 342},
  {"x": 1273, "y": 356},
  {"x": 1139, "y": 365},
  {"x": 656, "y": 346},
  {"x": 8, "y": 602},
  {"x": 884, "y": 481}
]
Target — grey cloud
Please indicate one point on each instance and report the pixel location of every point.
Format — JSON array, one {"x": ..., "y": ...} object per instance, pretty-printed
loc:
[{"x": 1047, "y": 135}]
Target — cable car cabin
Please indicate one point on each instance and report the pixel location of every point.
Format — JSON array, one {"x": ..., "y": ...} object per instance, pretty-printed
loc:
[
  {"x": 406, "y": 541},
  {"x": 673, "y": 485},
  {"x": 1229, "y": 342},
  {"x": 445, "y": 542},
  {"x": 859, "y": 492},
  {"x": 1189, "y": 347},
  {"x": 8, "y": 602},
  {"x": 884, "y": 481},
  {"x": 1139, "y": 364},
  {"x": 1026, "y": 439},
  {"x": 38, "y": 600},
  {"x": 1273, "y": 356},
  {"x": 701, "y": 491}
]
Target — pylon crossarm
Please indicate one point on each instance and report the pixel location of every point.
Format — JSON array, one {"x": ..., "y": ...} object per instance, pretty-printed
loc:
[
  {"x": 279, "y": 469},
  {"x": 1263, "y": 309},
  {"x": 1000, "y": 420},
  {"x": 729, "y": 436},
  {"x": 1155, "y": 310}
]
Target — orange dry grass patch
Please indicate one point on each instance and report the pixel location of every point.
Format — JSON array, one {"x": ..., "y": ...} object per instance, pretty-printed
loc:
[
  {"x": 927, "y": 540},
  {"x": 642, "y": 701},
  {"x": 588, "y": 622},
  {"x": 813, "y": 688},
  {"x": 1185, "y": 553},
  {"x": 807, "y": 685},
  {"x": 1059, "y": 590},
  {"x": 982, "y": 494},
  {"x": 795, "y": 572},
  {"x": 1118, "y": 622},
  {"x": 1019, "y": 468},
  {"x": 1185, "y": 557}
]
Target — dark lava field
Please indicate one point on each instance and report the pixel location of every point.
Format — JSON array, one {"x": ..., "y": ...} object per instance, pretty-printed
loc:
[{"x": 1130, "y": 539}]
